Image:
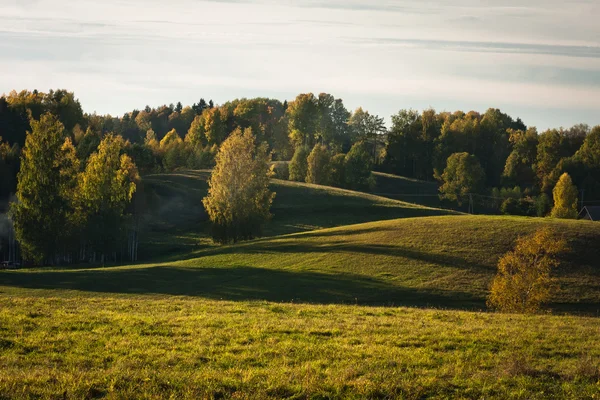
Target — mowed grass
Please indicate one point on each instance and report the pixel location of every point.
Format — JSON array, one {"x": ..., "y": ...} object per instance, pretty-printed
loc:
[{"x": 182, "y": 347}]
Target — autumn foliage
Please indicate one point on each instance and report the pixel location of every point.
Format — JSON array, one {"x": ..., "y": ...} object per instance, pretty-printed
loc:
[
  {"x": 524, "y": 280},
  {"x": 239, "y": 199}
]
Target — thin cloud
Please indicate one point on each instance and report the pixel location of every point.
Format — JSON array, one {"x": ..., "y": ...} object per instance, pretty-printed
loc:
[{"x": 491, "y": 47}]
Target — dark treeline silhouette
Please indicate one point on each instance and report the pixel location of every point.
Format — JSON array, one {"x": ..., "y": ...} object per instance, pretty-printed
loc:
[{"x": 493, "y": 154}]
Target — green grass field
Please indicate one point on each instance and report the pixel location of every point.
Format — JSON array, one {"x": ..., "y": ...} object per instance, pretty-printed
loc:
[
  {"x": 326, "y": 305},
  {"x": 176, "y": 222},
  {"x": 407, "y": 189}
]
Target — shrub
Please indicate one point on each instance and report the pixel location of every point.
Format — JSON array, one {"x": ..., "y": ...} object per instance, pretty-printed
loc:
[
  {"x": 281, "y": 170},
  {"x": 512, "y": 206},
  {"x": 523, "y": 282}
]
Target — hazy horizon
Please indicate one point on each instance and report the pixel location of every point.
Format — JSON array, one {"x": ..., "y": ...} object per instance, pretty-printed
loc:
[{"x": 539, "y": 62}]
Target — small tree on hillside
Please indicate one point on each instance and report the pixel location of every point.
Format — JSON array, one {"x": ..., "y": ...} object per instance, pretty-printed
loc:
[
  {"x": 524, "y": 281},
  {"x": 565, "y": 198},
  {"x": 299, "y": 164},
  {"x": 463, "y": 175},
  {"x": 239, "y": 198},
  {"x": 319, "y": 171}
]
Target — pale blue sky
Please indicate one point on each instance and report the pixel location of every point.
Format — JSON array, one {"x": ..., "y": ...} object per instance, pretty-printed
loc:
[{"x": 540, "y": 62}]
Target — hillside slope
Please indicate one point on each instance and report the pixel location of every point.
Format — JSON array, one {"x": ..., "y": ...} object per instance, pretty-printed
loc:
[
  {"x": 444, "y": 261},
  {"x": 176, "y": 222}
]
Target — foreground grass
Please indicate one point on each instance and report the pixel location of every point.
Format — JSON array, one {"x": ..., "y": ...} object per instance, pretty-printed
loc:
[{"x": 173, "y": 347}]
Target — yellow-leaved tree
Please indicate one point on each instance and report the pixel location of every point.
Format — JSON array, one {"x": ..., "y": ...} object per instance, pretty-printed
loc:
[
  {"x": 104, "y": 191},
  {"x": 524, "y": 281},
  {"x": 239, "y": 199},
  {"x": 565, "y": 198}
]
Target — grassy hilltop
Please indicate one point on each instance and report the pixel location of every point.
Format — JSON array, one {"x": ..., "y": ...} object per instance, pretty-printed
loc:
[{"x": 315, "y": 309}]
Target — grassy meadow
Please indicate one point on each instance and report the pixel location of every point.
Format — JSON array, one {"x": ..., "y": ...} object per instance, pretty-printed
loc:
[{"x": 348, "y": 295}]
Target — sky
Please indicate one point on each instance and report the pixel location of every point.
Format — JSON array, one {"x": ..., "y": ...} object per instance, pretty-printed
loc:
[{"x": 537, "y": 59}]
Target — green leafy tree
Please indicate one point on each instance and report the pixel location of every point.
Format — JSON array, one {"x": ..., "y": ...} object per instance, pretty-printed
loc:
[
  {"x": 357, "y": 167},
  {"x": 367, "y": 128},
  {"x": 104, "y": 191},
  {"x": 524, "y": 281},
  {"x": 45, "y": 182},
  {"x": 303, "y": 119},
  {"x": 9, "y": 166},
  {"x": 172, "y": 137},
  {"x": 214, "y": 127},
  {"x": 319, "y": 171},
  {"x": 519, "y": 168},
  {"x": 565, "y": 198},
  {"x": 299, "y": 164},
  {"x": 463, "y": 175},
  {"x": 196, "y": 135},
  {"x": 337, "y": 165},
  {"x": 239, "y": 199}
]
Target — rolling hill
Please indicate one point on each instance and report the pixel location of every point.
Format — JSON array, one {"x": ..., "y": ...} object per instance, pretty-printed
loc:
[
  {"x": 175, "y": 221},
  {"x": 316, "y": 309}
]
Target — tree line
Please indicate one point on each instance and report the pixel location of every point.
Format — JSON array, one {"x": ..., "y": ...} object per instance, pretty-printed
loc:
[{"x": 65, "y": 162}]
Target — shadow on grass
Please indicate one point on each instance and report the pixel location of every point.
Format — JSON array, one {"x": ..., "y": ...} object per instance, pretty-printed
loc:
[{"x": 242, "y": 283}]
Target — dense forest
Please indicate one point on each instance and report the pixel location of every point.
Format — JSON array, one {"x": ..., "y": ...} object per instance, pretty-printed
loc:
[{"x": 83, "y": 169}]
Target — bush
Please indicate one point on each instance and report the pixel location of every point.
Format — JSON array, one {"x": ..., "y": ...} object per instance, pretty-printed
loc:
[
  {"x": 512, "y": 206},
  {"x": 281, "y": 170},
  {"x": 319, "y": 170},
  {"x": 299, "y": 165},
  {"x": 523, "y": 282}
]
